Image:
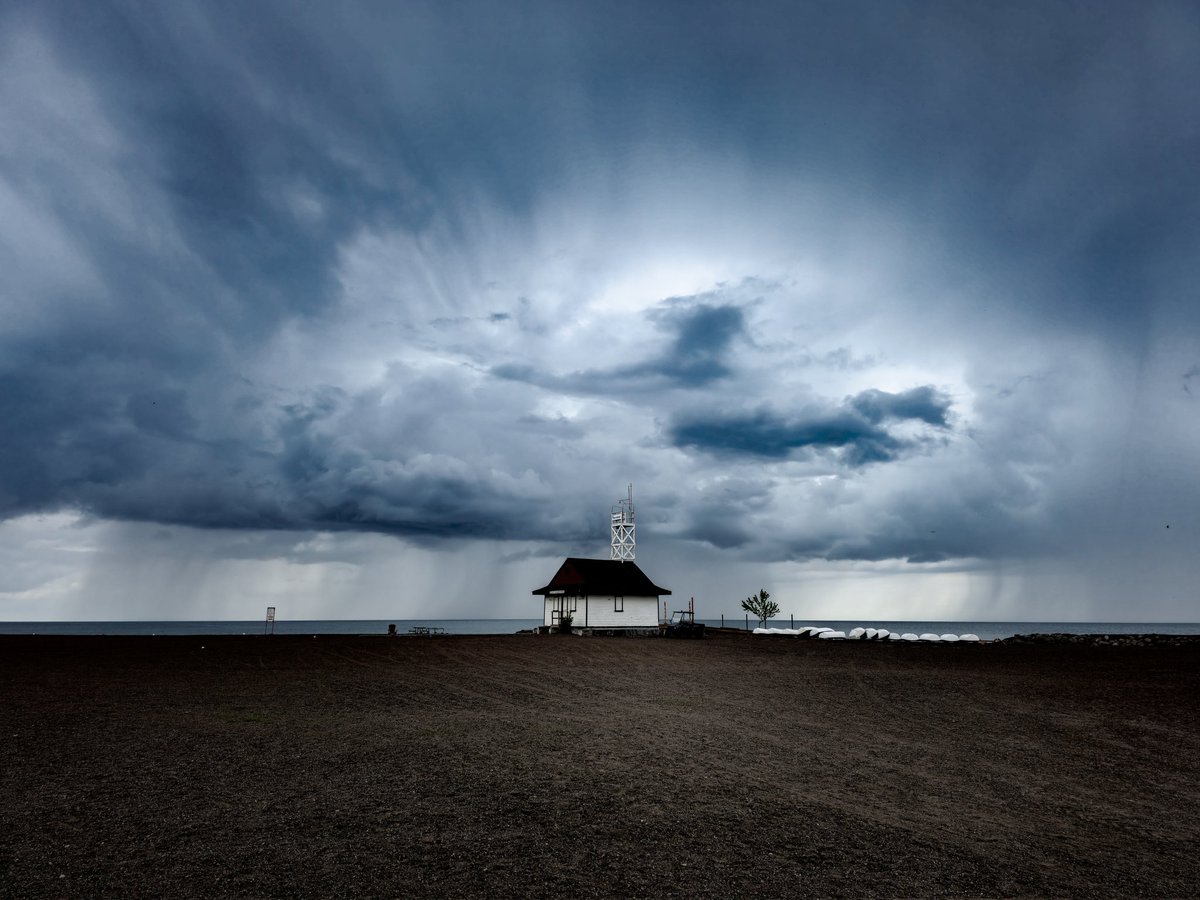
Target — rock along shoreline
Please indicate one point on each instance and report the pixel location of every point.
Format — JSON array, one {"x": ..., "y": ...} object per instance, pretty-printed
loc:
[{"x": 1105, "y": 640}]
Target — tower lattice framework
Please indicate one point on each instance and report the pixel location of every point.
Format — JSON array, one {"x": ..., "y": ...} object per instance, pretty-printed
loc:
[{"x": 624, "y": 530}]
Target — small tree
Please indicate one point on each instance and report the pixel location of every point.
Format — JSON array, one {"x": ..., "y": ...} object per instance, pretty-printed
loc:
[{"x": 761, "y": 606}]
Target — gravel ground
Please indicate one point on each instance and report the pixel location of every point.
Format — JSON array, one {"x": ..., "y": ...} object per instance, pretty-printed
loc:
[{"x": 555, "y": 765}]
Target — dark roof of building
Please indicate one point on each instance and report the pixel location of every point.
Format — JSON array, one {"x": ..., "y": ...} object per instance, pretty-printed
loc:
[{"x": 602, "y": 577}]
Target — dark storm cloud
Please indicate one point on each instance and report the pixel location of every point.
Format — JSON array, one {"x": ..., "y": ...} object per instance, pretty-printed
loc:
[
  {"x": 696, "y": 355},
  {"x": 219, "y": 221},
  {"x": 922, "y": 403},
  {"x": 703, "y": 338},
  {"x": 721, "y": 515},
  {"x": 235, "y": 151},
  {"x": 300, "y": 465},
  {"x": 179, "y": 184},
  {"x": 854, "y": 432},
  {"x": 163, "y": 411}
]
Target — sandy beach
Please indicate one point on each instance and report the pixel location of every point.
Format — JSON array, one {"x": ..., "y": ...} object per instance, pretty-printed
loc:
[{"x": 554, "y": 766}]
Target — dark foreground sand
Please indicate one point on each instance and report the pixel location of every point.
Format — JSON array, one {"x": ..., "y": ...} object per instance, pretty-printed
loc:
[{"x": 550, "y": 766}]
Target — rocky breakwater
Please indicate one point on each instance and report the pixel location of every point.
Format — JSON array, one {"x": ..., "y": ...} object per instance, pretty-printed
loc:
[{"x": 1106, "y": 640}]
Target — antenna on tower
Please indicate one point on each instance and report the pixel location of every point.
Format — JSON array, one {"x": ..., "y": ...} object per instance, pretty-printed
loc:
[{"x": 624, "y": 531}]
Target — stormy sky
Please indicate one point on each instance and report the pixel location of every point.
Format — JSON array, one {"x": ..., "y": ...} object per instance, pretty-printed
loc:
[{"x": 374, "y": 310}]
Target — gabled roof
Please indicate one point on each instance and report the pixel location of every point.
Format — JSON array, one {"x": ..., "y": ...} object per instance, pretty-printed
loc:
[{"x": 602, "y": 577}]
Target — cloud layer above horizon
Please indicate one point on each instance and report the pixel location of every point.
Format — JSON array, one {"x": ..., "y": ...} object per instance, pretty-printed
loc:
[{"x": 900, "y": 287}]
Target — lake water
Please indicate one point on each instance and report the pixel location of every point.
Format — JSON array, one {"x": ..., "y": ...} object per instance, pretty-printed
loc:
[{"x": 985, "y": 630}]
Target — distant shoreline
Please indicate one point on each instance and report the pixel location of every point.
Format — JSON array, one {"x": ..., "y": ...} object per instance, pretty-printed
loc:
[
  {"x": 994, "y": 630},
  {"x": 1098, "y": 639}
]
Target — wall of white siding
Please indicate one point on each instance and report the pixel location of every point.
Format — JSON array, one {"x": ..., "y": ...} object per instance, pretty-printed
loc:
[
  {"x": 598, "y": 612},
  {"x": 553, "y": 603}
]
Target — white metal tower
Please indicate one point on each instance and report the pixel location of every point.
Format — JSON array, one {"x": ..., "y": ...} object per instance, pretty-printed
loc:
[{"x": 624, "y": 531}]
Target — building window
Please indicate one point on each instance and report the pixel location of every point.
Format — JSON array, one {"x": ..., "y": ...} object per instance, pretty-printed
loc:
[{"x": 618, "y": 604}]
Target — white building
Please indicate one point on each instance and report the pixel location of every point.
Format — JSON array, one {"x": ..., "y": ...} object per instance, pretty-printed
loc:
[{"x": 601, "y": 593}]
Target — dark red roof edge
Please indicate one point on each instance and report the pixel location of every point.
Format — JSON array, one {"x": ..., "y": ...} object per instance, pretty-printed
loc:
[{"x": 578, "y": 575}]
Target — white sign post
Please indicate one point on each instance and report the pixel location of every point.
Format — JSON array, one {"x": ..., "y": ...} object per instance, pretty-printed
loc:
[{"x": 269, "y": 626}]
